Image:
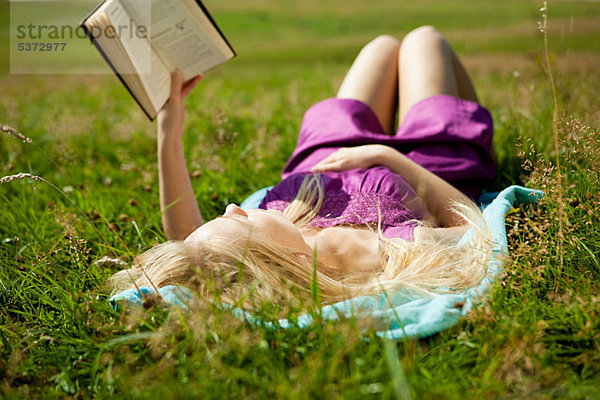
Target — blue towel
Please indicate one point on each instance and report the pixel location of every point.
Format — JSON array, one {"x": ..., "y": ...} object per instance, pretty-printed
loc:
[{"x": 402, "y": 313}]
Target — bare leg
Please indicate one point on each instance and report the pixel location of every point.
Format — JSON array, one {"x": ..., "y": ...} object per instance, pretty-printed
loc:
[
  {"x": 428, "y": 66},
  {"x": 373, "y": 77}
]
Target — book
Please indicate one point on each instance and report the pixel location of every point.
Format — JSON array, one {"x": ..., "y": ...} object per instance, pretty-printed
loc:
[{"x": 144, "y": 41}]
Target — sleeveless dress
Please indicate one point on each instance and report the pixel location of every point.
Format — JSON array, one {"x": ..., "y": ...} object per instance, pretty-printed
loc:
[{"x": 446, "y": 135}]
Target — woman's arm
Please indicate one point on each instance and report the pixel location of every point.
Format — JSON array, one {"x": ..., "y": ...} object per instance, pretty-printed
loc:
[
  {"x": 436, "y": 194},
  {"x": 180, "y": 212}
]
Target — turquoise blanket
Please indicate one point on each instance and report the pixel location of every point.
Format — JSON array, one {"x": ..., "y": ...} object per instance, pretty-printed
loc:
[{"x": 402, "y": 314}]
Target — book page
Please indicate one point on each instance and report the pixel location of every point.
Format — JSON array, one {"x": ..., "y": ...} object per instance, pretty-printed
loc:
[
  {"x": 179, "y": 40},
  {"x": 157, "y": 83},
  {"x": 204, "y": 23},
  {"x": 140, "y": 12},
  {"x": 154, "y": 77},
  {"x": 121, "y": 26}
]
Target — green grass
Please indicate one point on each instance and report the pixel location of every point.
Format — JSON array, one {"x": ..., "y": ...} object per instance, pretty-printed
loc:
[{"x": 535, "y": 335}]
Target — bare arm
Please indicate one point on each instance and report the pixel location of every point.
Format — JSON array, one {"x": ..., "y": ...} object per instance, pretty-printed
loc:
[
  {"x": 180, "y": 212},
  {"x": 436, "y": 195}
]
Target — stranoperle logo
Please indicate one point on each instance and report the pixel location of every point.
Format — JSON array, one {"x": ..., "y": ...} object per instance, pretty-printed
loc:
[
  {"x": 46, "y": 37},
  {"x": 36, "y": 31}
]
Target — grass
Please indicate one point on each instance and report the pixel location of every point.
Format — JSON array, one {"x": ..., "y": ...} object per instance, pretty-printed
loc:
[{"x": 535, "y": 335}]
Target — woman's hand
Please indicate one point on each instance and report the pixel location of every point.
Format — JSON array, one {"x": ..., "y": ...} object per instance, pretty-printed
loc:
[
  {"x": 352, "y": 157},
  {"x": 170, "y": 118}
]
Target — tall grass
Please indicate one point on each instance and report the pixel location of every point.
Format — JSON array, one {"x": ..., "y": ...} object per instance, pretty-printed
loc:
[{"x": 543, "y": 26}]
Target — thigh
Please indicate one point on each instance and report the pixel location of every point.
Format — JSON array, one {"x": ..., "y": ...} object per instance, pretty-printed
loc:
[
  {"x": 372, "y": 79},
  {"x": 428, "y": 67}
]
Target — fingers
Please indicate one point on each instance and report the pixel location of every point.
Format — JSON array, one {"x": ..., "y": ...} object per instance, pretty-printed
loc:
[
  {"x": 191, "y": 84},
  {"x": 176, "y": 83},
  {"x": 333, "y": 166},
  {"x": 330, "y": 164},
  {"x": 347, "y": 158},
  {"x": 179, "y": 89},
  {"x": 322, "y": 168}
]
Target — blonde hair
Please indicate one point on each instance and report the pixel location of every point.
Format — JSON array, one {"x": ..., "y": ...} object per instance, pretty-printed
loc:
[{"x": 275, "y": 272}]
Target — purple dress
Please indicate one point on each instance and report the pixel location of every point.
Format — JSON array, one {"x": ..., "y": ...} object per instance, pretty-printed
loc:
[{"x": 446, "y": 135}]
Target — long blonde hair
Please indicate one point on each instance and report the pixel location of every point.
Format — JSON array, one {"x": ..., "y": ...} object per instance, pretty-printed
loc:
[{"x": 274, "y": 272}]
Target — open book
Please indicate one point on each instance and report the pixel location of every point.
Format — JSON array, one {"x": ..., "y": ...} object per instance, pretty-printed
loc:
[{"x": 145, "y": 40}]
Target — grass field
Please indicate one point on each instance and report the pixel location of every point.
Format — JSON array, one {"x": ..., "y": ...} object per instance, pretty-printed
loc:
[{"x": 536, "y": 335}]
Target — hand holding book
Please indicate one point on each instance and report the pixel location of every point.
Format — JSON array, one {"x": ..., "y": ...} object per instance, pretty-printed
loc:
[{"x": 170, "y": 118}]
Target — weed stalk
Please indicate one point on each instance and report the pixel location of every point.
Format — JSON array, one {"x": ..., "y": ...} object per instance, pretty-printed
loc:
[{"x": 543, "y": 27}]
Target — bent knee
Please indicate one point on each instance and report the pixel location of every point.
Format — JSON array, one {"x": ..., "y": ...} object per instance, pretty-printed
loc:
[
  {"x": 425, "y": 36},
  {"x": 422, "y": 34},
  {"x": 424, "y": 30},
  {"x": 384, "y": 41}
]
